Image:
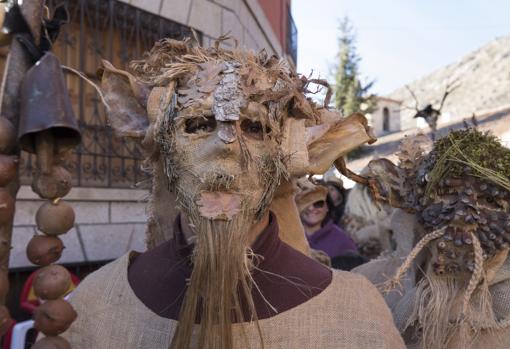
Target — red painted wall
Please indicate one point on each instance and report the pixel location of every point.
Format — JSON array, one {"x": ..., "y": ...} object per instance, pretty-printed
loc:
[{"x": 276, "y": 13}]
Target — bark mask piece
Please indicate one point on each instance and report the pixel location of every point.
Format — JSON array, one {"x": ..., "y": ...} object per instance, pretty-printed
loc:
[
  {"x": 158, "y": 101},
  {"x": 325, "y": 142},
  {"x": 228, "y": 99},
  {"x": 227, "y": 133},
  {"x": 218, "y": 205},
  {"x": 293, "y": 145},
  {"x": 387, "y": 179}
]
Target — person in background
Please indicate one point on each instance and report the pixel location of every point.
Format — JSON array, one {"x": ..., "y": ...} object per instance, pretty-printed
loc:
[
  {"x": 338, "y": 195},
  {"x": 322, "y": 233}
]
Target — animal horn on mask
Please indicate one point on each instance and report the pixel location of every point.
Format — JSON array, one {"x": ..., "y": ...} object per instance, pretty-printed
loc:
[
  {"x": 328, "y": 136},
  {"x": 326, "y": 142}
]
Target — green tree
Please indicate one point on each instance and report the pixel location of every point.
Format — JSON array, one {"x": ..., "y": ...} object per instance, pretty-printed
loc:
[{"x": 350, "y": 94}]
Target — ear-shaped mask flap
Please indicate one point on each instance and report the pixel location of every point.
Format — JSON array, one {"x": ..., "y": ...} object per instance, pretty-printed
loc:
[
  {"x": 159, "y": 100},
  {"x": 126, "y": 97},
  {"x": 294, "y": 147},
  {"x": 334, "y": 138},
  {"x": 386, "y": 182}
]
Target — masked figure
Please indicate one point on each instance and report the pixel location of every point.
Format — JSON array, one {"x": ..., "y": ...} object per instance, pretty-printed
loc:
[
  {"x": 224, "y": 131},
  {"x": 368, "y": 222},
  {"x": 456, "y": 279}
]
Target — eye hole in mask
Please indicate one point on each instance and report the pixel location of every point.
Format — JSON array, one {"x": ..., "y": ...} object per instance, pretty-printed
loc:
[
  {"x": 199, "y": 125},
  {"x": 254, "y": 129}
]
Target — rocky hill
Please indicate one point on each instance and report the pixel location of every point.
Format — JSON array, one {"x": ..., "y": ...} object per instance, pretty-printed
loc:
[{"x": 484, "y": 84}]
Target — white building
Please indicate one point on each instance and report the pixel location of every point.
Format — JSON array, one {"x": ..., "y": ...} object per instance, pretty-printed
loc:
[{"x": 386, "y": 116}]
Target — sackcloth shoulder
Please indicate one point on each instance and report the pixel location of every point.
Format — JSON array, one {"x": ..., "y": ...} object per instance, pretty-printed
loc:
[
  {"x": 111, "y": 316},
  {"x": 349, "y": 313}
]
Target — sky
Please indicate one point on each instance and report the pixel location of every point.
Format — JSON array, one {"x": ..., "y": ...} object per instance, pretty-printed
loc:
[{"x": 399, "y": 40}]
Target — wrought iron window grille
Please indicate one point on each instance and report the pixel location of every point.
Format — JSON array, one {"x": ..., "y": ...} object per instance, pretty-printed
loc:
[{"x": 112, "y": 30}]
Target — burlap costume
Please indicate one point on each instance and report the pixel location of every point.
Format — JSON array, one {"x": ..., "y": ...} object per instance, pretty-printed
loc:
[{"x": 340, "y": 317}]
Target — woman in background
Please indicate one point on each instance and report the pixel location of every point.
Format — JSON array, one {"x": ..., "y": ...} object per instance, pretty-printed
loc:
[
  {"x": 338, "y": 196},
  {"x": 322, "y": 233}
]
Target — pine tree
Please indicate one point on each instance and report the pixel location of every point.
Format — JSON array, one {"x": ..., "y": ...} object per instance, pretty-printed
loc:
[{"x": 350, "y": 94}]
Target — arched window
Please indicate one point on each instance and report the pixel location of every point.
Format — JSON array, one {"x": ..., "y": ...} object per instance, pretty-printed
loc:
[{"x": 386, "y": 120}]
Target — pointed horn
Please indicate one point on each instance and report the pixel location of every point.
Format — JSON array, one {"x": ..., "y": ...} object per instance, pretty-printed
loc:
[{"x": 342, "y": 168}]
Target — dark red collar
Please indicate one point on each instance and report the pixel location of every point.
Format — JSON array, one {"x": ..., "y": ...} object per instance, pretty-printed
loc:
[{"x": 285, "y": 277}]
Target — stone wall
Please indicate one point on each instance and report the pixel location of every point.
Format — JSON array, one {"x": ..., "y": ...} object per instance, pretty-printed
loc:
[
  {"x": 244, "y": 19},
  {"x": 109, "y": 222}
]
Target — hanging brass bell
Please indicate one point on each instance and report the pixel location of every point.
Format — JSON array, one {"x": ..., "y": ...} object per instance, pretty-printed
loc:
[{"x": 46, "y": 106}]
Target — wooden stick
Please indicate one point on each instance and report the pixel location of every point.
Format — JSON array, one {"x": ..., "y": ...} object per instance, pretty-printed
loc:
[
  {"x": 44, "y": 146},
  {"x": 18, "y": 62}
]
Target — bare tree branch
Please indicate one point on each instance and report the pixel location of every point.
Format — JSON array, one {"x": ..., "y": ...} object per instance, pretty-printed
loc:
[{"x": 414, "y": 97}]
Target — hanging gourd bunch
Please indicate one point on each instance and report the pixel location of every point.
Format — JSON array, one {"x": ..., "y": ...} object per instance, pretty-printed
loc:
[{"x": 48, "y": 129}]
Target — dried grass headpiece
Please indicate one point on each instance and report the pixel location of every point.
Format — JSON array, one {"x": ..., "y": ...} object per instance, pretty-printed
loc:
[{"x": 265, "y": 77}]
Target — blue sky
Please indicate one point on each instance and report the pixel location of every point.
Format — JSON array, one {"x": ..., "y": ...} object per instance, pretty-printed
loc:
[{"x": 399, "y": 40}]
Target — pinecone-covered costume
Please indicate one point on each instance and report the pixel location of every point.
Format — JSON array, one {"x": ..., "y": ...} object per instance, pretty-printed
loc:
[{"x": 455, "y": 282}]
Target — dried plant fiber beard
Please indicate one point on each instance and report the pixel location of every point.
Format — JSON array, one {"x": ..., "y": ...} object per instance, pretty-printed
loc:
[
  {"x": 434, "y": 300},
  {"x": 220, "y": 284},
  {"x": 438, "y": 307}
]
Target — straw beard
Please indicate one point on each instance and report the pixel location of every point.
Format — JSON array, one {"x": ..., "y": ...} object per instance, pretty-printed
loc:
[
  {"x": 451, "y": 309},
  {"x": 433, "y": 311},
  {"x": 220, "y": 286}
]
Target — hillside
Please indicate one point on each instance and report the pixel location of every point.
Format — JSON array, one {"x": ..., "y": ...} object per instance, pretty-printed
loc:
[{"x": 484, "y": 79}]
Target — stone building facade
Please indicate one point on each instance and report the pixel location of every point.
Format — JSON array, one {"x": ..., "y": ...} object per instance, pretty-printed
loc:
[
  {"x": 110, "y": 191},
  {"x": 255, "y": 24}
]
